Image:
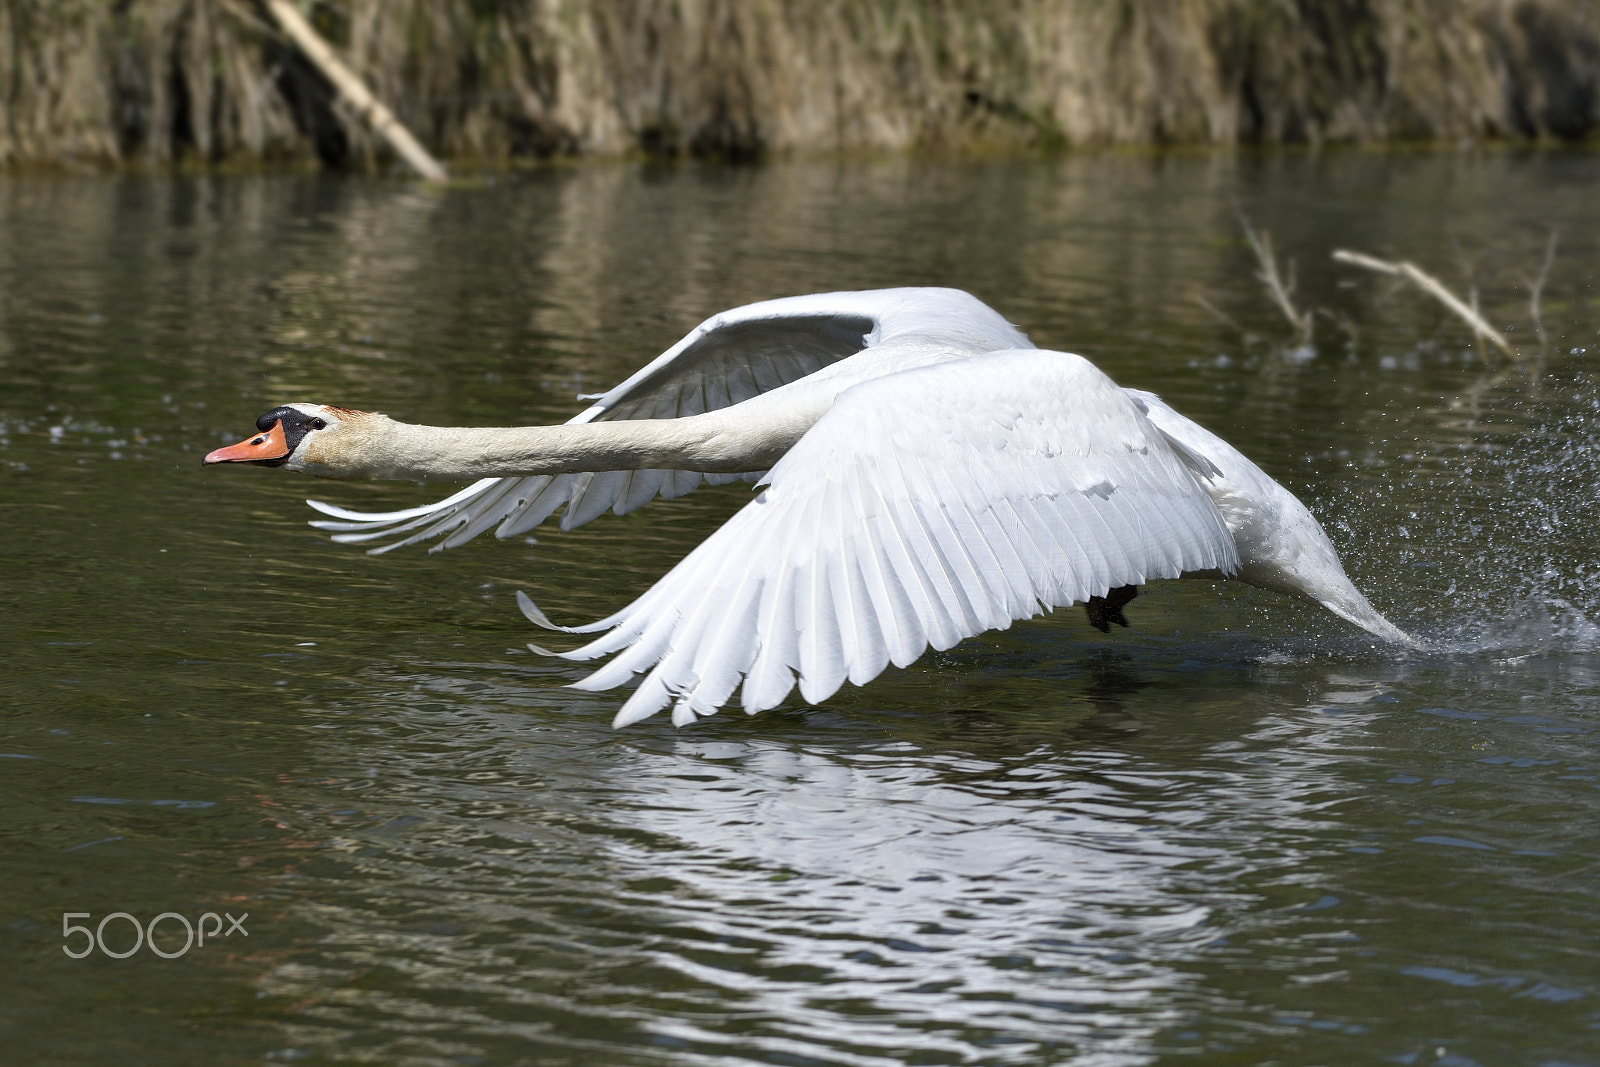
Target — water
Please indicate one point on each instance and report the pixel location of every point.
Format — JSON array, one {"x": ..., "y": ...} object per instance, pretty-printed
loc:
[{"x": 1233, "y": 834}]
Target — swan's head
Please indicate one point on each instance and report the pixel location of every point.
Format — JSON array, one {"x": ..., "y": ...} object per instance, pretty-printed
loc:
[{"x": 311, "y": 438}]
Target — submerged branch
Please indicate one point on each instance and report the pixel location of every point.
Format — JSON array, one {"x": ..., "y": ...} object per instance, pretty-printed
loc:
[
  {"x": 1434, "y": 288},
  {"x": 1222, "y": 316},
  {"x": 1536, "y": 290},
  {"x": 1268, "y": 274}
]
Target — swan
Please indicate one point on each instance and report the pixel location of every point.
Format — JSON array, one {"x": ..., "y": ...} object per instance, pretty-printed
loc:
[{"x": 926, "y": 474}]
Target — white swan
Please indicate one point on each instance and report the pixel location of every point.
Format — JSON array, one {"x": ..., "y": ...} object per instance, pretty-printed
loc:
[{"x": 929, "y": 475}]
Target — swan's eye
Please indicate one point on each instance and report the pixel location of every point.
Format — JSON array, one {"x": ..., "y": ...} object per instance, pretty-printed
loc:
[{"x": 318, "y": 424}]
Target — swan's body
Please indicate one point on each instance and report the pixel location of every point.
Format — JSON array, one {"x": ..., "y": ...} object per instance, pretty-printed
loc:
[{"x": 929, "y": 475}]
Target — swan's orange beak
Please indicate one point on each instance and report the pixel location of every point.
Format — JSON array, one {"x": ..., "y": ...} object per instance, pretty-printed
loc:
[{"x": 262, "y": 448}]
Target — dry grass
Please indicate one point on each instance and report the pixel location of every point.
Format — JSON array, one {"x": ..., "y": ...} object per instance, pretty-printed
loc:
[{"x": 151, "y": 81}]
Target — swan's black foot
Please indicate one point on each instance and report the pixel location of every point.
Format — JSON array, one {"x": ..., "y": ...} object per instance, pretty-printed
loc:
[{"x": 1105, "y": 610}]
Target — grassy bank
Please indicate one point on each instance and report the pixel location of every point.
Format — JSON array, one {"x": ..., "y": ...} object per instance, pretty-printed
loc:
[{"x": 155, "y": 81}]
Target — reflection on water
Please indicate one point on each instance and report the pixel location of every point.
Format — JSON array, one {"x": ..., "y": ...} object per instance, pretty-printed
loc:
[{"x": 1234, "y": 832}]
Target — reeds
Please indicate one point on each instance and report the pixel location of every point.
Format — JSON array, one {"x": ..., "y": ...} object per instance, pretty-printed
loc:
[{"x": 153, "y": 81}]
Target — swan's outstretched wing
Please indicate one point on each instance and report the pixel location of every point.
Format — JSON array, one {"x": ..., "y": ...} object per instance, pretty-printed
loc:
[
  {"x": 924, "y": 507},
  {"x": 728, "y": 358}
]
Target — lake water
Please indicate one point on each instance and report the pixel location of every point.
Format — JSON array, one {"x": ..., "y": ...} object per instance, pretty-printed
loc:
[{"x": 1234, "y": 833}]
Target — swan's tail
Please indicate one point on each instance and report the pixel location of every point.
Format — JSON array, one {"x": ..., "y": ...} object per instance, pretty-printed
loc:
[{"x": 1354, "y": 607}]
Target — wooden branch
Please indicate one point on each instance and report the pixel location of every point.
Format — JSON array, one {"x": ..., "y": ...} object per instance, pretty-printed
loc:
[
  {"x": 1536, "y": 291},
  {"x": 1268, "y": 275},
  {"x": 1222, "y": 316},
  {"x": 379, "y": 117},
  {"x": 252, "y": 19},
  {"x": 1434, "y": 288}
]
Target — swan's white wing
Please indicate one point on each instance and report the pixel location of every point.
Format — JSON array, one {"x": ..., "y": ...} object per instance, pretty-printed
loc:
[
  {"x": 729, "y": 358},
  {"x": 924, "y": 507}
]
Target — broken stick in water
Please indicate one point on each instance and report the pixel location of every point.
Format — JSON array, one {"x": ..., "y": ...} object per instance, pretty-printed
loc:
[
  {"x": 1434, "y": 288},
  {"x": 1280, "y": 292},
  {"x": 369, "y": 107},
  {"x": 1536, "y": 291}
]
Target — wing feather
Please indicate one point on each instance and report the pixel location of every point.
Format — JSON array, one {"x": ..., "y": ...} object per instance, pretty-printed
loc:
[
  {"x": 724, "y": 658},
  {"x": 1003, "y": 567},
  {"x": 1080, "y": 566},
  {"x": 888, "y": 610},
  {"x": 398, "y": 516},
  {"x": 822, "y": 662},
  {"x": 1040, "y": 579},
  {"x": 543, "y": 494},
  {"x": 922, "y": 571},
  {"x": 971, "y": 595},
  {"x": 857, "y": 637},
  {"x": 641, "y": 490},
  {"x": 742, "y": 384},
  {"x": 485, "y": 516},
  {"x": 906, "y": 578},
  {"x": 580, "y": 507},
  {"x": 361, "y": 531},
  {"x": 774, "y": 645},
  {"x": 681, "y": 482},
  {"x": 766, "y": 376}
]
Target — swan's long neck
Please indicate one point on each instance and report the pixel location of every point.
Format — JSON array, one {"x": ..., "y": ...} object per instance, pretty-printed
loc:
[
  {"x": 748, "y": 436},
  {"x": 729, "y": 440}
]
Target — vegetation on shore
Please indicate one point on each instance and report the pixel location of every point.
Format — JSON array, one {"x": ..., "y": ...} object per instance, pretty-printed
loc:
[{"x": 151, "y": 82}]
